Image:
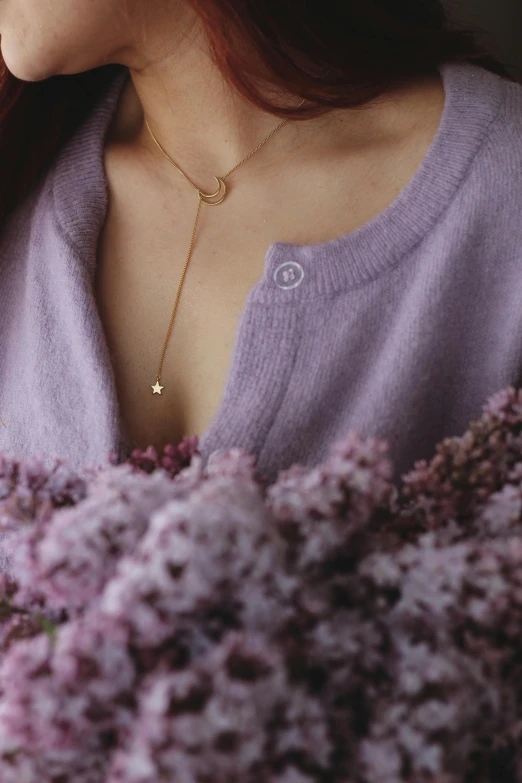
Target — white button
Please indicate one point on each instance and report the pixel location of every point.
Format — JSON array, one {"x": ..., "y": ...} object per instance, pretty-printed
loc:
[{"x": 289, "y": 275}]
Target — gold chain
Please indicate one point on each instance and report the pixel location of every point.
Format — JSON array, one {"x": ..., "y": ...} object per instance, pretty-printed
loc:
[{"x": 203, "y": 198}]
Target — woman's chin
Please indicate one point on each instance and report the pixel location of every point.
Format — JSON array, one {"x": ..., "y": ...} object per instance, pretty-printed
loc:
[{"x": 26, "y": 60}]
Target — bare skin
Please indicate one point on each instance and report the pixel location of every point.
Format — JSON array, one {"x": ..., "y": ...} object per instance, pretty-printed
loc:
[{"x": 302, "y": 190}]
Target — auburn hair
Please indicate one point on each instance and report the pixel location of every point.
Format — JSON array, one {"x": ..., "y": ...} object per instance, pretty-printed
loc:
[{"x": 334, "y": 53}]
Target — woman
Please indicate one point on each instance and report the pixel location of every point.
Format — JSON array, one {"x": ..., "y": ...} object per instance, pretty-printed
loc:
[{"x": 362, "y": 268}]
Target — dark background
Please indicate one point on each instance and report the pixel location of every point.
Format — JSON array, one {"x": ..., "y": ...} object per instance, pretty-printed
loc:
[{"x": 502, "y": 23}]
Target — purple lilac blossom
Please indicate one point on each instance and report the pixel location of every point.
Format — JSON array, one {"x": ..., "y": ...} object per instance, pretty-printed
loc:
[{"x": 172, "y": 623}]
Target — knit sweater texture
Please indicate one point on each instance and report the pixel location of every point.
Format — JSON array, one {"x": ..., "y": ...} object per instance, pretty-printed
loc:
[{"x": 400, "y": 330}]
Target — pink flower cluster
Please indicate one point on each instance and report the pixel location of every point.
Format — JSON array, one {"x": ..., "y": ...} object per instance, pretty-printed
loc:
[{"x": 165, "y": 622}]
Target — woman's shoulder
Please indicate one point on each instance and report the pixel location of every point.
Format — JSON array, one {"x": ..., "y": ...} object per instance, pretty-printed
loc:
[
  {"x": 500, "y": 155},
  {"x": 482, "y": 140}
]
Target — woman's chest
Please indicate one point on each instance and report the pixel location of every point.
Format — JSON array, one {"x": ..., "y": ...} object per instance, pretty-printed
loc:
[
  {"x": 137, "y": 282},
  {"x": 142, "y": 252}
]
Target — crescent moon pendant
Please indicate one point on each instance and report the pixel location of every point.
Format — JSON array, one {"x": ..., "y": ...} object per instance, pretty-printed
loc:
[{"x": 205, "y": 197}]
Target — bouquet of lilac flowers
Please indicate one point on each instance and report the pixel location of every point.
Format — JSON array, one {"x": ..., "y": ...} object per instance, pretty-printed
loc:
[{"x": 162, "y": 622}]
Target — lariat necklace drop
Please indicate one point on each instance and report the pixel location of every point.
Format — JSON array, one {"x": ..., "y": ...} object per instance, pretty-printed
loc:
[{"x": 211, "y": 200}]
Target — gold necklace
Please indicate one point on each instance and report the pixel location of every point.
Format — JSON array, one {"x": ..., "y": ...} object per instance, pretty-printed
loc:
[{"x": 203, "y": 198}]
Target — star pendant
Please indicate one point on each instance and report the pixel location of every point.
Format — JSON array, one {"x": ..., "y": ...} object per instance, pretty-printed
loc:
[{"x": 157, "y": 388}]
